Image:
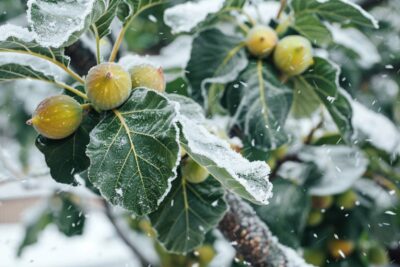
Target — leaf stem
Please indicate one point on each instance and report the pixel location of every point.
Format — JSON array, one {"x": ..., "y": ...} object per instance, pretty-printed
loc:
[
  {"x": 125, "y": 27},
  {"x": 71, "y": 89},
  {"x": 98, "y": 52}
]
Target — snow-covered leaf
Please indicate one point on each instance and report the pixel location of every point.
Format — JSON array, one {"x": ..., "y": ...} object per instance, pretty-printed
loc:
[
  {"x": 323, "y": 79},
  {"x": 59, "y": 23},
  {"x": 339, "y": 165},
  {"x": 188, "y": 213},
  {"x": 376, "y": 129},
  {"x": 134, "y": 151},
  {"x": 67, "y": 157},
  {"x": 339, "y": 11},
  {"x": 12, "y": 71},
  {"x": 247, "y": 179},
  {"x": 104, "y": 22},
  {"x": 16, "y": 39},
  {"x": 129, "y": 8},
  {"x": 260, "y": 103},
  {"x": 215, "y": 58}
]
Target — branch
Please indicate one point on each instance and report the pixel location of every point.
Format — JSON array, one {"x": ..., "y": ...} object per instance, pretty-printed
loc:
[
  {"x": 252, "y": 238},
  {"x": 123, "y": 236},
  {"x": 280, "y": 162}
]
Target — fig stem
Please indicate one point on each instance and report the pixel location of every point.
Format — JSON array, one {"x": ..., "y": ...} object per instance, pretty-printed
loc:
[
  {"x": 72, "y": 90},
  {"x": 86, "y": 106},
  {"x": 96, "y": 35},
  {"x": 125, "y": 27},
  {"x": 281, "y": 8}
]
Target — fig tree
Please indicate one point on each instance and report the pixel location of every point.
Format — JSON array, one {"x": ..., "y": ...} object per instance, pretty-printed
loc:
[
  {"x": 146, "y": 75},
  {"x": 340, "y": 248},
  {"x": 193, "y": 172},
  {"x": 57, "y": 117},
  {"x": 347, "y": 200},
  {"x": 108, "y": 85},
  {"x": 293, "y": 55},
  {"x": 261, "y": 40}
]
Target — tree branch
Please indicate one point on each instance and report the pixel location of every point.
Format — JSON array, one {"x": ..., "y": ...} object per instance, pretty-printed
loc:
[
  {"x": 252, "y": 238},
  {"x": 123, "y": 235}
]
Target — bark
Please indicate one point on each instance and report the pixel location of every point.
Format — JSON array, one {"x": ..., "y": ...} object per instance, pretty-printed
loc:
[{"x": 252, "y": 238}]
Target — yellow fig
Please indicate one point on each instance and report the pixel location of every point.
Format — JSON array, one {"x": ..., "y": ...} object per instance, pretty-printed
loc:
[
  {"x": 193, "y": 172},
  {"x": 108, "y": 85},
  {"x": 146, "y": 75},
  {"x": 261, "y": 40},
  {"x": 293, "y": 55},
  {"x": 340, "y": 248},
  {"x": 57, "y": 117}
]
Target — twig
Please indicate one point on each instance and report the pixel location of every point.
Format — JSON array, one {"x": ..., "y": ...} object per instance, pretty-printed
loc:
[
  {"x": 123, "y": 236},
  {"x": 280, "y": 162}
]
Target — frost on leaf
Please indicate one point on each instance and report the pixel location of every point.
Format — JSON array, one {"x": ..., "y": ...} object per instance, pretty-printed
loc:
[
  {"x": 134, "y": 152},
  {"x": 247, "y": 179},
  {"x": 184, "y": 17},
  {"x": 340, "y": 166},
  {"x": 60, "y": 23}
]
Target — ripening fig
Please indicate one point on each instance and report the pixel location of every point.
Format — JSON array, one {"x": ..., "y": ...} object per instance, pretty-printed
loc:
[
  {"x": 339, "y": 249},
  {"x": 193, "y": 172},
  {"x": 206, "y": 254},
  {"x": 315, "y": 217},
  {"x": 293, "y": 55},
  {"x": 57, "y": 117},
  {"x": 347, "y": 200},
  {"x": 377, "y": 255},
  {"x": 108, "y": 85},
  {"x": 315, "y": 257},
  {"x": 146, "y": 75},
  {"x": 261, "y": 40},
  {"x": 322, "y": 202}
]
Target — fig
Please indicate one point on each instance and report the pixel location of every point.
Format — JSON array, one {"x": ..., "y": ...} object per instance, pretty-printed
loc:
[
  {"x": 146, "y": 75},
  {"x": 315, "y": 218},
  {"x": 377, "y": 255},
  {"x": 261, "y": 40},
  {"x": 293, "y": 55},
  {"x": 340, "y": 248},
  {"x": 57, "y": 117},
  {"x": 108, "y": 85},
  {"x": 315, "y": 257},
  {"x": 347, "y": 200},
  {"x": 322, "y": 202},
  {"x": 193, "y": 172},
  {"x": 206, "y": 254}
]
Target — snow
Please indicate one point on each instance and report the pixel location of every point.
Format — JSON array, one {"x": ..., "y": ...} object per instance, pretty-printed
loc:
[
  {"x": 62, "y": 20},
  {"x": 378, "y": 129},
  {"x": 293, "y": 259},
  {"x": 358, "y": 42},
  {"x": 268, "y": 9},
  {"x": 184, "y": 17},
  {"x": 21, "y": 33}
]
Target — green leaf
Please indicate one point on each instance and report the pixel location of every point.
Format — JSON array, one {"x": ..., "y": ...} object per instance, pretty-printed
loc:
[
  {"x": 131, "y": 8},
  {"x": 13, "y": 71},
  {"x": 289, "y": 206},
  {"x": 339, "y": 11},
  {"x": 59, "y": 23},
  {"x": 16, "y": 39},
  {"x": 305, "y": 99},
  {"x": 260, "y": 103},
  {"x": 247, "y": 179},
  {"x": 215, "y": 58},
  {"x": 67, "y": 157},
  {"x": 340, "y": 166},
  {"x": 323, "y": 79},
  {"x": 310, "y": 26},
  {"x": 188, "y": 213},
  {"x": 104, "y": 22},
  {"x": 134, "y": 152}
]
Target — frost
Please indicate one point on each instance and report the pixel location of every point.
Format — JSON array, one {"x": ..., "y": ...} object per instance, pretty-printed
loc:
[
  {"x": 268, "y": 10},
  {"x": 55, "y": 22},
  {"x": 358, "y": 42},
  {"x": 248, "y": 179},
  {"x": 377, "y": 129},
  {"x": 184, "y": 17},
  {"x": 341, "y": 167},
  {"x": 23, "y": 34},
  {"x": 293, "y": 259}
]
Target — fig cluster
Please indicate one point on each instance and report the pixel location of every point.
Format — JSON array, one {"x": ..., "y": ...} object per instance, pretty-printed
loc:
[
  {"x": 107, "y": 85},
  {"x": 292, "y": 55}
]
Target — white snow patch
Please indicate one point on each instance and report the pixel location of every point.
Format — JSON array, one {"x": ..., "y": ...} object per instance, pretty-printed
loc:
[
  {"x": 184, "y": 17},
  {"x": 268, "y": 9},
  {"x": 378, "y": 129},
  {"x": 21, "y": 33}
]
